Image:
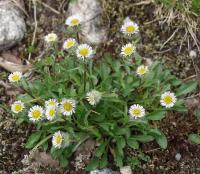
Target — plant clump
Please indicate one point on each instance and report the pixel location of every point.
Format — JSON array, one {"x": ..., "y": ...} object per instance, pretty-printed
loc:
[{"x": 113, "y": 101}]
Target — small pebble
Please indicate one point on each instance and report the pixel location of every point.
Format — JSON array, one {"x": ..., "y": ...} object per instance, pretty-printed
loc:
[
  {"x": 193, "y": 54},
  {"x": 178, "y": 156}
]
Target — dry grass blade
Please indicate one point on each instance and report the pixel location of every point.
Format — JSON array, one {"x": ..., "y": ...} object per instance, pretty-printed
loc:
[
  {"x": 35, "y": 26},
  {"x": 49, "y": 7},
  {"x": 173, "y": 34},
  {"x": 182, "y": 19}
]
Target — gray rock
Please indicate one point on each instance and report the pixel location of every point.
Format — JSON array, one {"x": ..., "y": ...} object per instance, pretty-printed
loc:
[
  {"x": 126, "y": 170},
  {"x": 12, "y": 25},
  {"x": 91, "y": 28},
  {"x": 104, "y": 171}
]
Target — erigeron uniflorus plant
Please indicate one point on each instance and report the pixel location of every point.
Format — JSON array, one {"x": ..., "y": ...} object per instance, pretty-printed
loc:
[{"x": 112, "y": 101}]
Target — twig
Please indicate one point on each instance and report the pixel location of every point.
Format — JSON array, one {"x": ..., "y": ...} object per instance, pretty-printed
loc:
[
  {"x": 62, "y": 5},
  {"x": 47, "y": 6},
  {"x": 6, "y": 86},
  {"x": 152, "y": 150},
  {"x": 161, "y": 52},
  {"x": 189, "y": 78},
  {"x": 36, "y": 26},
  {"x": 184, "y": 38},
  {"x": 144, "y": 2},
  {"x": 173, "y": 34},
  {"x": 192, "y": 96}
]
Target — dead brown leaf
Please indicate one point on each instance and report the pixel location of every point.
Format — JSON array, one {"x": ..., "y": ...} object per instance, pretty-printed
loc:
[{"x": 12, "y": 67}]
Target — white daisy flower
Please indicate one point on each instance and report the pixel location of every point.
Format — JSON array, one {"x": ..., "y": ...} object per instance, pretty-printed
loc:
[
  {"x": 50, "y": 113},
  {"x": 17, "y": 107},
  {"x": 141, "y": 70},
  {"x": 15, "y": 76},
  {"x": 57, "y": 139},
  {"x": 93, "y": 97},
  {"x": 51, "y": 103},
  {"x": 168, "y": 99},
  {"x": 69, "y": 43},
  {"x": 73, "y": 20},
  {"x": 136, "y": 111},
  {"x": 51, "y": 38},
  {"x": 68, "y": 106},
  {"x": 84, "y": 51},
  {"x": 128, "y": 50},
  {"x": 129, "y": 28},
  {"x": 35, "y": 113}
]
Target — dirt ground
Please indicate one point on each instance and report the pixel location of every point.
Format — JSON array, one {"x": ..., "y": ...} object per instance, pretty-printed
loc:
[{"x": 153, "y": 35}]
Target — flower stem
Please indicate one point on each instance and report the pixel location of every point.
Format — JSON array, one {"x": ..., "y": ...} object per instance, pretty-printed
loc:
[{"x": 85, "y": 69}]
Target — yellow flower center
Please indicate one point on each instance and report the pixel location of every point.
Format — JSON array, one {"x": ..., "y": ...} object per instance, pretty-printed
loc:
[
  {"x": 15, "y": 77},
  {"x": 67, "y": 106},
  {"x": 168, "y": 99},
  {"x": 52, "y": 112},
  {"x": 84, "y": 52},
  {"x": 18, "y": 107},
  {"x": 91, "y": 99},
  {"x": 128, "y": 50},
  {"x": 136, "y": 112},
  {"x": 74, "y": 22},
  {"x": 52, "y": 103},
  {"x": 130, "y": 29},
  {"x": 69, "y": 44},
  {"x": 142, "y": 71},
  {"x": 36, "y": 114},
  {"x": 51, "y": 38},
  {"x": 58, "y": 139}
]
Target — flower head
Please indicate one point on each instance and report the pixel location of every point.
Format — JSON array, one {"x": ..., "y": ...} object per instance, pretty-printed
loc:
[
  {"x": 129, "y": 28},
  {"x": 136, "y": 111},
  {"x": 15, "y": 76},
  {"x": 57, "y": 139},
  {"x": 69, "y": 43},
  {"x": 168, "y": 99},
  {"x": 73, "y": 20},
  {"x": 51, "y": 38},
  {"x": 51, "y": 103},
  {"x": 127, "y": 50},
  {"x": 35, "y": 113},
  {"x": 84, "y": 51},
  {"x": 50, "y": 113},
  {"x": 17, "y": 107},
  {"x": 141, "y": 70},
  {"x": 93, "y": 97},
  {"x": 68, "y": 106}
]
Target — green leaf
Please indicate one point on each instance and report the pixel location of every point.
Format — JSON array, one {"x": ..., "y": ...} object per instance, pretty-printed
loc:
[
  {"x": 162, "y": 141},
  {"x": 104, "y": 161},
  {"x": 64, "y": 162},
  {"x": 133, "y": 143},
  {"x": 94, "y": 164},
  {"x": 118, "y": 159},
  {"x": 101, "y": 149},
  {"x": 194, "y": 138},
  {"x": 33, "y": 139},
  {"x": 143, "y": 138},
  {"x": 186, "y": 88},
  {"x": 120, "y": 145},
  {"x": 198, "y": 114},
  {"x": 20, "y": 120},
  {"x": 155, "y": 132},
  {"x": 156, "y": 115}
]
